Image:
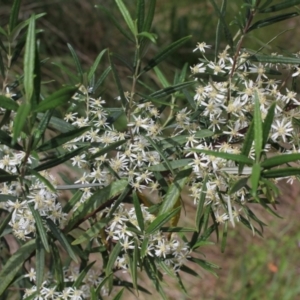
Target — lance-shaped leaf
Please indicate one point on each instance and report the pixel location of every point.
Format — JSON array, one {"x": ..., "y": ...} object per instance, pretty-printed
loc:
[
  {"x": 238, "y": 185},
  {"x": 161, "y": 220},
  {"x": 77, "y": 62},
  {"x": 168, "y": 90},
  {"x": 61, "y": 139},
  {"x": 151, "y": 36},
  {"x": 258, "y": 132},
  {"x": 174, "y": 191},
  {"x": 102, "y": 78},
  {"x": 268, "y": 124},
  {"x": 95, "y": 64},
  {"x": 14, "y": 264},
  {"x": 247, "y": 145},
  {"x": 6, "y": 139},
  {"x": 59, "y": 160},
  {"x": 138, "y": 211},
  {"x": 40, "y": 228},
  {"x": 279, "y": 6},
  {"x": 112, "y": 258},
  {"x": 8, "y": 103},
  {"x": 150, "y": 14},
  {"x": 282, "y": 172},
  {"x": 59, "y": 235},
  {"x": 72, "y": 202},
  {"x": 82, "y": 275},
  {"x": 254, "y": 179},
  {"x": 280, "y": 160},
  {"x": 13, "y": 17},
  {"x": 99, "y": 197},
  {"x": 91, "y": 232},
  {"x": 57, "y": 124},
  {"x": 115, "y": 22},
  {"x": 20, "y": 120},
  {"x": 205, "y": 265},
  {"x": 140, "y": 15},
  {"x": 200, "y": 204},
  {"x": 275, "y": 59},
  {"x": 29, "y": 60},
  {"x": 5, "y": 221},
  {"x": 272, "y": 20},
  {"x": 58, "y": 98},
  {"x": 133, "y": 265},
  {"x": 163, "y": 54},
  {"x": 57, "y": 265},
  {"x": 40, "y": 261},
  {"x": 234, "y": 157},
  {"x": 117, "y": 81},
  {"x": 126, "y": 15}
]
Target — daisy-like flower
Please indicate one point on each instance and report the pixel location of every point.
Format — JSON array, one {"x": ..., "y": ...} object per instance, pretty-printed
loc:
[
  {"x": 282, "y": 128},
  {"x": 201, "y": 47}
]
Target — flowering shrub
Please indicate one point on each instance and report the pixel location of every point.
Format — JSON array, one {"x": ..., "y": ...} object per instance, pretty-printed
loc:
[{"x": 136, "y": 158}]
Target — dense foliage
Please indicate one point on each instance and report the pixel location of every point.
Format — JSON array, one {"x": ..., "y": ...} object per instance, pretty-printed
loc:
[{"x": 224, "y": 131}]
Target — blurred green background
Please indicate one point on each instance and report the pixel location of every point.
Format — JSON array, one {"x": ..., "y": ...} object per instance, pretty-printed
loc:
[{"x": 252, "y": 267}]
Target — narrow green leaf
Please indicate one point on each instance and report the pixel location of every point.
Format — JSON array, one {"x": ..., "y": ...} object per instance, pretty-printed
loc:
[
  {"x": 221, "y": 15},
  {"x": 157, "y": 148},
  {"x": 268, "y": 124},
  {"x": 205, "y": 265},
  {"x": 20, "y": 120},
  {"x": 258, "y": 133},
  {"x": 175, "y": 164},
  {"x": 59, "y": 160},
  {"x": 39, "y": 131},
  {"x": 58, "y": 98},
  {"x": 57, "y": 265},
  {"x": 247, "y": 145},
  {"x": 40, "y": 261},
  {"x": 112, "y": 258},
  {"x": 140, "y": 16},
  {"x": 162, "y": 79},
  {"x": 177, "y": 229},
  {"x": 119, "y": 295},
  {"x": 82, "y": 275},
  {"x": 95, "y": 64},
  {"x": 8, "y": 103},
  {"x": 279, "y": 160},
  {"x": 161, "y": 220},
  {"x": 189, "y": 271},
  {"x": 13, "y": 17},
  {"x": 57, "y": 124},
  {"x": 174, "y": 191},
  {"x": 98, "y": 198},
  {"x": 57, "y": 233},
  {"x": 126, "y": 15},
  {"x": 62, "y": 138},
  {"x": 275, "y": 59},
  {"x": 102, "y": 78},
  {"x": 220, "y": 26},
  {"x": 234, "y": 157},
  {"x": 14, "y": 264},
  {"x": 29, "y": 60},
  {"x": 224, "y": 238},
  {"x": 5, "y": 222},
  {"x": 77, "y": 62},
  {"x": 115, "y": 22},
  {"x": 8, "y": 178},
  {"x": 282, "y": 172},
  {"x": 138, "y": 211},
  {"x": 280, "y": 6},
  {"x": 272, "y": 20},
  {"x": 2, "y": 68},
  {"x": 134, "y": 265},
  {"x": 163, "y": 54},
  {"x": 200, "y": 204},
  {"x": 44, "y": 180},
  {"x": 91, "y": 232},
  {"x": 255, "y": 176},
  {"x": 150, "y": 14},
  {"x": 40, "y": 228},
  {"x": 66, "y": 71},
  {"x": 117, "y": 81},
  {"x": 151, "y": 36},
  {"x": 238, "y": 185},
  {"x": 71, "y": 203},
  {"x": 6, "y": 139}
]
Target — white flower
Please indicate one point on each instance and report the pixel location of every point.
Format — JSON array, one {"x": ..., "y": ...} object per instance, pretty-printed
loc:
[{"x": 201, "y": 47}]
